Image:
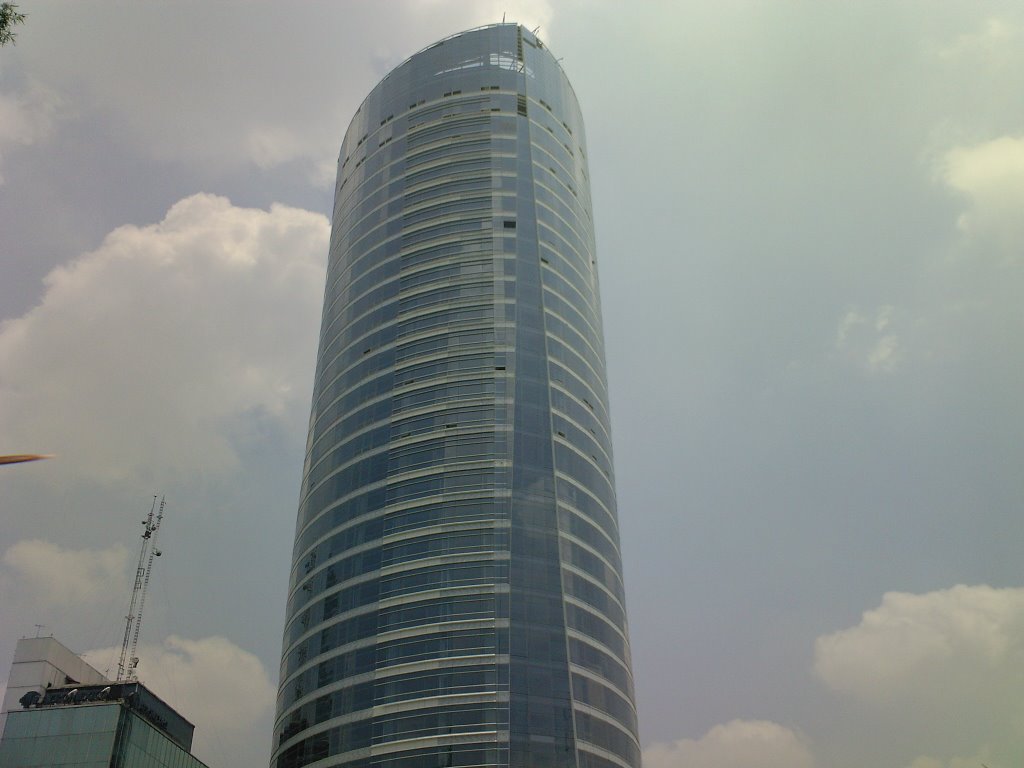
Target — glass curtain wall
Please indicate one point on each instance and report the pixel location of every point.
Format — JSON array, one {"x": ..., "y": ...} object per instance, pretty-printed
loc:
[
  {"x": 88, "y": 736},
  {"x": 456, "y": 595}
]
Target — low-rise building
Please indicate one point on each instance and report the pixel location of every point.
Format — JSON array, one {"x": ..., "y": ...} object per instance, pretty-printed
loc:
[{"x": 61, "y": 720}]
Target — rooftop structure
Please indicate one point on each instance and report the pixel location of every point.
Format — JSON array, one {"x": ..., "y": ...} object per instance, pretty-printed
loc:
[
  {"x": 112, "y": 725},
  {"x": 41, "y": 663},
  {"x": 61, "y": 711}
]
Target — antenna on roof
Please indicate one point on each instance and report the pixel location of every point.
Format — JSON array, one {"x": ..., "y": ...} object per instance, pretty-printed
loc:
[{"x": 147, "y": 552}]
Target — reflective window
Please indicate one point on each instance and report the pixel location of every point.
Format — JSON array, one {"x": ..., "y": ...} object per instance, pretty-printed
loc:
[{"x": 457, "y": 530}]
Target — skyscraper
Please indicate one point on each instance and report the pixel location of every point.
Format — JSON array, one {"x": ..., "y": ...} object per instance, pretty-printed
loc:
[{"x": 456, "y": 595}]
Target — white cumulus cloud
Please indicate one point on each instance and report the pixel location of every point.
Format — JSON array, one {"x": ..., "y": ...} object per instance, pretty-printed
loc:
[
  {"x": 945, "y": 667},
  {"x": 736, "y": 744},
  {"x": 912, "y": 637},
  {"x": 221, "y": 688},
  {"x": 990, "y": 175},
  {"x": 152, "y": 350},
  {"x": 55, "y": 575}
]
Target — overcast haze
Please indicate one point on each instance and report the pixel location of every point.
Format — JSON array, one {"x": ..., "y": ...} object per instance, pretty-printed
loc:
[{"x": 810, "y": 224}]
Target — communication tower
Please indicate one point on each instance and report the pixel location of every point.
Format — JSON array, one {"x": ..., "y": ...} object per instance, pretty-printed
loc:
[{"x": 133, "y": 621}]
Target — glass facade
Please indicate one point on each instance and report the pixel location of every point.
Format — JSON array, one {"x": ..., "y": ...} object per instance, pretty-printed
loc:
[
  {"x": 71, "y": 737},
  {"x": 88, "y": 736},
  {"x": 143, "y": 746},
  {"x": 456, "y": 594}
]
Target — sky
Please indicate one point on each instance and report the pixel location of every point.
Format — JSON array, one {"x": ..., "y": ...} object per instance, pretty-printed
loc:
[{"x": 810, "y": 226}]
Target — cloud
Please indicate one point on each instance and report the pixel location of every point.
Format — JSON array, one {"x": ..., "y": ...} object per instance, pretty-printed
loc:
[
  {"x": 736, "y": 744},
  {"x": 911, "y": 637},
  {"x": 868, "y": 341},
  {"x": 26, "y": 118},
  {"x": 58, "y": 576},
  {"x": 157, "y": 350},
  {"x": 259, "y": 86},
  {"x": 990, "y": 176},
  {"x": 945, "y": 666},
  {"x": 221, "y": 688}
]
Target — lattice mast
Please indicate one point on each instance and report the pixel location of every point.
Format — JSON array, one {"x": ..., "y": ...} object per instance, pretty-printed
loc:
[{"x": 133, "y": 621}]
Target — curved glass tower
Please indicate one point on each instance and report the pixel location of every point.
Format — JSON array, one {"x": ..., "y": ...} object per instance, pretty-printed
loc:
[{"x": 456, "y": 593}]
